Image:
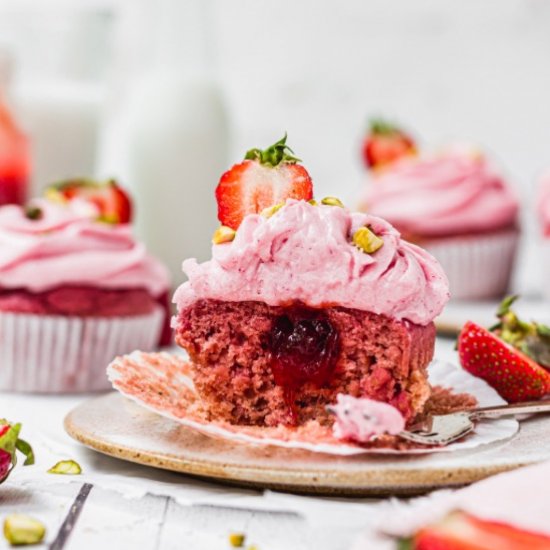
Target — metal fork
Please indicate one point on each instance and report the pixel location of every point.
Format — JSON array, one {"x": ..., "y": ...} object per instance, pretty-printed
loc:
[{"x": 446, "y": 428}]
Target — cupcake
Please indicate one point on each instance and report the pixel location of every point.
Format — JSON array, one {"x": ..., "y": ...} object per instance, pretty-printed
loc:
[
  {"x": 459, "y": 208},
  {"x": 75, "y": 289},
  {"x": 304, "y": 301}
]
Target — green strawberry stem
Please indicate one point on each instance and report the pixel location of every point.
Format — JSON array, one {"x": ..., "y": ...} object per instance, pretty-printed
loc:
[
  {"x": 274, "y": 155},
  {"x": 532, "y": 338},
  {"x": 379, "y": 126}
]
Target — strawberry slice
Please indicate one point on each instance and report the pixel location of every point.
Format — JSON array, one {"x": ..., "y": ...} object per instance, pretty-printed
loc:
[
  {"x": 514, "y": 375},
  {"x": 386, "y": 143},
  {"x": 113, "y": 202},
  {"x": 264, "y": 178},
  {"x": 460, "y": 531}
]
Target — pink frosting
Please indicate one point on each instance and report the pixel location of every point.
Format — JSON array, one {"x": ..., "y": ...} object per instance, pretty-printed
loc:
[
  {"x": 543, "y": 206},
  {"x": 305, "y": 253},
  {"x": 362, "y": 419},
  {"x": 66, "y": 246},
  {"x": 450, "y": 194}
]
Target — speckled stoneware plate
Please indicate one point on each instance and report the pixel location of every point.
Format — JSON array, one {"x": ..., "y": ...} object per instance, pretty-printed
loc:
[
  {"x": 114, "y": 425},
  {"x": 456, "y": 313}
]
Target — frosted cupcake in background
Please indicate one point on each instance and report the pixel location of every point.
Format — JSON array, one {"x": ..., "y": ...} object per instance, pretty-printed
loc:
[
  {"x": 76, "y": 289},
  {"x": 455, "y": 204}
]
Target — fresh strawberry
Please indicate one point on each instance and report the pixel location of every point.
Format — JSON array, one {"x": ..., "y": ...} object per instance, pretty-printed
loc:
[
  {"x": 514, "y": 375},
  {"x": 263, "y": 179},
  {"x": 10, "y": 443},
  {"x": 386, "y": 143},
  {"x": 112, "y": 201},
  {"x": 460, "y": 531}
]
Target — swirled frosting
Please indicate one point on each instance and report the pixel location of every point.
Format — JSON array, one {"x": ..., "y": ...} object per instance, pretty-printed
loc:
[
  {"x": 66, "y": 246},
  {"x": 453, "y": 193},
  {"x": 305, "y": 253}
]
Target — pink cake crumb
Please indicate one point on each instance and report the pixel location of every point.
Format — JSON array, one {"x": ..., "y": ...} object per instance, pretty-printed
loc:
[{"x": 232, "y": 352}]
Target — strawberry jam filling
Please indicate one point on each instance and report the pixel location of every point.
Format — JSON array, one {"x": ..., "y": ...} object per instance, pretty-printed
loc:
[{"x": 304, "y": 349}]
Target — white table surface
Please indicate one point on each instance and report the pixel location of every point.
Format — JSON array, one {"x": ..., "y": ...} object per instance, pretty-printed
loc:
[{"x": 154, "y": 510}]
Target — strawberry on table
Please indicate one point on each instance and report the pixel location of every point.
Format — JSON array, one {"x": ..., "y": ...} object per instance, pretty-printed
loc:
[
  {"x": 386, "y": 143},
  {"x": 112, "y": 201},
  {"x": 513, "y": 356},
  {"x": 460, "y": 531},
  {"x": 10, "y": 442},
  {"x": 264, "y": 178}
]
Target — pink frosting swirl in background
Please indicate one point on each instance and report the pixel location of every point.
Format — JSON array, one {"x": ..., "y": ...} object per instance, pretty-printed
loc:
[
  {"x": 305, "y": 253},
  {"x": 451, "y": 194},
  {"x": 66, "y": 246}
]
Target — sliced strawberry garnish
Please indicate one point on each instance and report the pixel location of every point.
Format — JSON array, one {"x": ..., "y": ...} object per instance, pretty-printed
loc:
[
  {"x": 461, "y": 531},
  {"x": 112, "y": 201},
  {"x": 264, "y": 178},
  {"x": 514, "y": 375},
  {"x": 386, "y": 143}
]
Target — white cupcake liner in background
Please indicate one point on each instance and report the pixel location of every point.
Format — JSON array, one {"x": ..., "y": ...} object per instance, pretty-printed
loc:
[
  {"x": 477, "y": 266},
  {"x": 60, "y": 354}
]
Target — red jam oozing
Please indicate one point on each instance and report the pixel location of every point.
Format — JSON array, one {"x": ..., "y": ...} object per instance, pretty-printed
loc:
[{"x": 304, "y": 347}]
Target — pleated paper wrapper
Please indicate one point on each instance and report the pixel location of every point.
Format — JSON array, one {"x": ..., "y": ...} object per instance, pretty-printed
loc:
[{"x": 60, "y": 354}]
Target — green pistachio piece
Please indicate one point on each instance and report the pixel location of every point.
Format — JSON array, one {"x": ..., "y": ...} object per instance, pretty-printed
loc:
[
  {"x": 236, "y": 540},
  {"x": 332, "y": 201},
  {"x": 223, "y": 234},
  {"x": 21, "y": 530},
  {"x": 313, "y": 202},
  {"x": 66, "y": 467},
  {"x": 366, "y": 240},
  {"x": 270, "y": 210}
]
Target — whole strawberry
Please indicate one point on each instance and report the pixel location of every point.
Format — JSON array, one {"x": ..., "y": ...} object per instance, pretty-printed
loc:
[
  {"x": 513, "y": 356},
  {"x": 385, "y": 143},
  {"x": 265, "y": 178},
  {"x": 10, "y": 442}
]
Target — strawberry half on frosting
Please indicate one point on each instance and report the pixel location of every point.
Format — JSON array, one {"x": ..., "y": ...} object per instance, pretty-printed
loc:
[{"x": 264, "y": 178}]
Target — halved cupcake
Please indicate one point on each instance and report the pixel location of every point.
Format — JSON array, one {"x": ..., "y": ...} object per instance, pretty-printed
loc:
[{"x": 304, "y": 301}]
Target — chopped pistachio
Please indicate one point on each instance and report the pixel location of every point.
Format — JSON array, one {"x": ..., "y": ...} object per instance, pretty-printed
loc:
[
  {"x": 66, "y": 467},
  {"x": 366, "y": 240},
  {"x": 270, "y": 210},
  {"x": 53, "y": 195},
  {"x": 332, "y": 201},
  {"x": 21, "y": 530},
  {"x": 223, "y": 234},
  {"x": 33, "y": 212},
  {"x": 313, "y": 202},
  {"x": 236, "y": 540}
]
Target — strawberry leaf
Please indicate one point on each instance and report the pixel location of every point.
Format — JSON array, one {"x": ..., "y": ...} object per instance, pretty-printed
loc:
[{"x": 274, "y": 155}]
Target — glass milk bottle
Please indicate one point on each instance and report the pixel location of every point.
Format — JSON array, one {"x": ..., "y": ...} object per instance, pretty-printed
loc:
[{"x": 176, "y": 139}]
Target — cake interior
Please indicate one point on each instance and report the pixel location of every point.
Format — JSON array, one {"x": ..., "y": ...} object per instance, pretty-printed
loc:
[{"x": 255, "y": 364}]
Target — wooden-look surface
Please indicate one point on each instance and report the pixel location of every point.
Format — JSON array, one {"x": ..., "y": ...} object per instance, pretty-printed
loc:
[
  {"x": 118, "y": 427},
  {"x": 109, "y": 521}
]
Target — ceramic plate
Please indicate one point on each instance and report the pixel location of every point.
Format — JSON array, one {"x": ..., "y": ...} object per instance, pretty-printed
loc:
[{"x": 114, "y": 425}]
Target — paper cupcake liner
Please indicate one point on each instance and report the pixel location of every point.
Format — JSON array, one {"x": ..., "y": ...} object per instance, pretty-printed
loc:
[
  {"x": 477, "y": 266},
  {"x": 161, "y": 383},
  {"x": 58, "y": 354}
]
